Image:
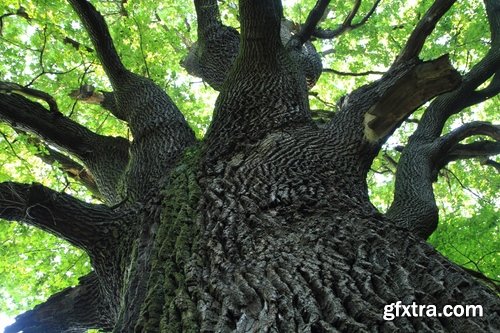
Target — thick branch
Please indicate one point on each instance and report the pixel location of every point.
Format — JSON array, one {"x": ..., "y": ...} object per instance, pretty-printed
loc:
[
  {"x": 160, "y": 131},
  {"x": 27, "y": 115},
  {"x": 426, "y": 81},
  {"x": 347, "y": 25},
  {"x": 73, "y": 310},
  {"x": 9, "y": 87},
  {"x": 479, "y": 149},
  {"x": 334, "y": 71},
  {"x": 106, "y": 157},
  {"x": 423, "y": 29},
  {"x": 211, "y": 57},
  {"x": 96, "y": 26},
  {"x": 465, "y": 95},
  {"x": 265, "y": 89},
  {"x": 371, "y": 113},
  {"x": 449, "y": 149},
  {"x": 414, "y": 203},
  {"x": 83, "y": 225},
  {"x": 208, "y": 17},
  {"x": 260, "y": 28},
  {"x": 479, "y": 96},
  {"x": 450, "y": 140},
  {"x": 312, "y": 21}
]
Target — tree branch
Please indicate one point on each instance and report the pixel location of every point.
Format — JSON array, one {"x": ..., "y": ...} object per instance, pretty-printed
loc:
[
  {"x": 414, "y": 204},
  {"x": 208, "y": 17},
  {"x": 83, "y": 225},
  {"x": 159, "y": 129},
  {"x": 21, "y": 12},
  {"x": 422, "y": 83},
  {"x": 70, "y": 167},
  {"x": 423, "y": 29},
  {"x": 9, "y": 88},
  {"x": 96, "y": 26},
  {"x": 211, "y": 57},
  {"x": 251, "y": 105},
  {"x": 73, "y": 310},
  {"x": 334, "y": 71},
  {"x": 491, "y": 163},
  {"x": 260, "y": 28},
  {"x": 479, "y": 96},
  {"x": 443, "y": 107},
  {"x": 347, "y": 25},
  {"x": 480, "y": 149},
  {"x": 449, "y": 149},
  {"x": 315, "y": 16},
  {"x": 450, "y": 140},
  {"x": 106, "y": 157}
]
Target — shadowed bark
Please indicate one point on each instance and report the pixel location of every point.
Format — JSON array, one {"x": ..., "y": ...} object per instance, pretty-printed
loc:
[
  {"x": 265, "y": 225},
  {"x": 83, "y": 225},
  {"x": 72, "y": 310}
]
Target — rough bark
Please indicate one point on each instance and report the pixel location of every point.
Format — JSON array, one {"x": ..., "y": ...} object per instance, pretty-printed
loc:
[
  {"x": 212, "y": 56},
  {"x": 414, "y": 205},
  {"x": 266, "y": 225},
  {"x": 159, "y": 129},
  {"x": 105, "y": 157},
  {"x": 72, "y": 310}
]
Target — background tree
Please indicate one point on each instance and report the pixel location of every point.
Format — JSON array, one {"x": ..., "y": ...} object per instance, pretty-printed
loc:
[{"x": 266, "y": 222}]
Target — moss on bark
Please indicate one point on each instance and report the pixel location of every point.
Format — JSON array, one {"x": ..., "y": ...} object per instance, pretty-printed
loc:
[{"x": 168, "y": 304}]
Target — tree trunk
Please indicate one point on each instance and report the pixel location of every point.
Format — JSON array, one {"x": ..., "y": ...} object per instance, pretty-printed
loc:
[
  {"x": 265, "y": 225},
  {"x": 268, "y": 240}
]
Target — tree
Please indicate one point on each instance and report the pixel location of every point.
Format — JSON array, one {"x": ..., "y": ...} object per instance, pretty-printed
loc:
[{"x": 265, "y": 224}]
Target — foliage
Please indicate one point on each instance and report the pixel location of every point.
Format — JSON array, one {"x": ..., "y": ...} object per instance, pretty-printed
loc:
[{"x": 44, "y": 46}]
